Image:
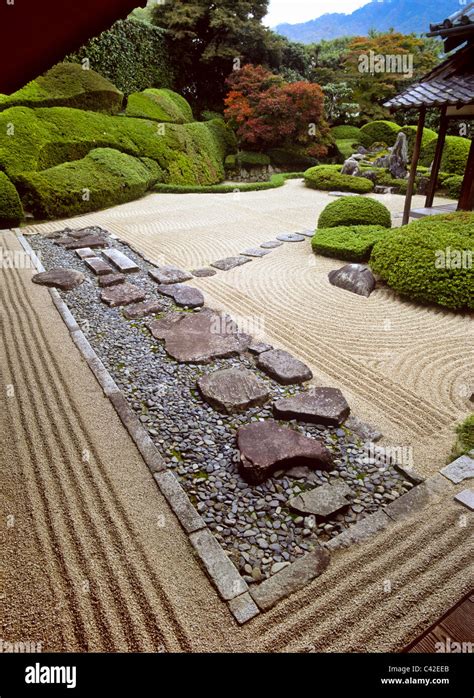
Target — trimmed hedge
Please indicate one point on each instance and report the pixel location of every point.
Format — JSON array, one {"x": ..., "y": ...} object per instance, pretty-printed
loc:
[
  {"x": 379, "y": 132},
  {"x": 351, "y": 243},
  {"x": 67, "y": 85},
  {"x": 346, "y": 148},
  {"x": 455, "y": 153},
  {"x": 277, "y": 180},
  {"x": 329, "y": 178},
  {"x": 247, "y": 160},
  {"x": 453, "y": 186},
  {"x": 159, "y": 105},
  {"x": 410, "y": 133},
  {"x": 345, "y": 133},
  {"x": 289, "y": 158},
  {"x": 409, "y": 260},
  {"x": 11, "y": 210},
  {"x": 351, "y": 210}
]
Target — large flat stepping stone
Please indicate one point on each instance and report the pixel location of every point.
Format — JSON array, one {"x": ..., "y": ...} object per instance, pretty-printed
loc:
[
  {"x": 184, "y": 296},
  {"x": 233, "y": 389},
  {"x": 308, "y": 233},
  {"x": 322, "y": 501},
  {"x": 230, "y": 263},
  {"x": 356, "y": 278},
  {"x": 203, "y": 273},
  {"x": 85, "y": 252},
  {"x": 460, "y": 469},
  {"x": 111, "y": 280},
  {"x": 169, "y": 275},
  {"x": 267, "y": 446},
  {"x": 120, "y": 260},
  {"x": 318, "y": 406},
  {"x": 271, "y": 244},
  {"x": 283, "y": 367},
  {"x": 199, "y": 337},
  {"x": 85, "y": 232},
  {"x": 65, "y": 279},
  {"x": 466, "y": 498},
  {"x": 92, "y": 241},
  {"x": 259, "y": 347},
  {"x": 123, "y": 294},
  {"x": 291, "y": 237},
  {"x": 255, "y": 252},
  {"x": 98, "y": 266},
  {"x": 141, "y": 310}
]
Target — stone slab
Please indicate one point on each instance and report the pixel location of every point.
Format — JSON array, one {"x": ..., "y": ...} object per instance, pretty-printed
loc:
[
  {"x": 111, "y": 280},
  {"x": 466, "y": 497},
  {"x": 361, "y": 531},
  {"x": 230, "y": 263},
  {"x": 233, "y": 389},
  {"x": 169, "y": 275},
  {"x": 367, "y": 432},
  {"x": 243, "y": 608},
  {"x": 284, "y": 367},
  {"x": 307, "y": 233},
  {"x": 417, "y": 498},
  {"x": 271, "y": 244},
  {"x": 291, "y": 237},
  {"x": 259, "y": 347},
  {"x": 322, "y": 501},
  {"x": 141, "y": 310},
  {"x": 92, "y": 241},
  {"x": 85, "y": 252},
  {"x": 120, "y": 260},
  {"x": 460, "y": 469},
  {"x": 326, "y": 406},
  {"x": 203, "y": 273},
  {"x": 59, "y": 277},
  {"x": 179, "y": 502},
  {"x": 223, "y": 573},
  {"x": 98, "y": 266},
  {"x": 255, "y": 252},
  {"x": 123, "y": 294},
  {"x": 183, "y": 295}
]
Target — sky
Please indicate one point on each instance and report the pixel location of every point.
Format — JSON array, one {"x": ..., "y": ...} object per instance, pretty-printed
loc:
[{"x": 294, "y": 11}]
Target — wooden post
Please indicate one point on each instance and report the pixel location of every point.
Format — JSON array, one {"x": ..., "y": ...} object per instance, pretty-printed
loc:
[
  {"x": 443, "y": 127},
  {"x": 466, "y": 199},
  {"x": 414, "y": 163}
]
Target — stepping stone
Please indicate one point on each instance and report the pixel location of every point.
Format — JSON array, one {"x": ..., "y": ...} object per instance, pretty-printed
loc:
[
  {"x": 255, "y": 252},
  {"x": 123, "y": 263},
  {"x": 199, "y": 337},
  {"x": 86, "y": 232},
  {"x": 123, "y": 294},
  {"x": 267, "y": 446},
  {"x": 233, "y": 389},
  {"x": 98, "y": 266},
  {"x": 93, "y": 241},
  {"x": 367, "y": 432},
  {"x": 169, "y": 275},
  {"x": 204, "y": 272},
  {"x": 140, "y": 310},
  {"x": 259, "y": 347},
  {"x": 356, "y": 278},
  {"x": 85, "y": 252},
  {"x": 62, "y": 242},
  {"x": 291, "y": 237},
  {"x": 460, "y": 469},
  {"x": 283, "y": 367},
  {"x": 111, "y": 280},
  {"x": 466, "y": 497},
  {"x": 308, "y": 233},
  {"x": 230, "y": 263},
  {"x": 185, "y": 296},
  {"x": 271, "y": 244},
  {"x": 322, "y": 501},
  {"x": 65, "y": 279},
  {"x": 318, "y": 406}
]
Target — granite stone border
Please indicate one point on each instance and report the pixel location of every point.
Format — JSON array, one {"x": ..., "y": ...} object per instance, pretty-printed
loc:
[{"x": 243, "y": 603}]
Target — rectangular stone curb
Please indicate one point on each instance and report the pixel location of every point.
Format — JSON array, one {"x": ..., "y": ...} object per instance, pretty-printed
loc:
[
  {"x": 29, "y": 250},
  {"x": 416, "y": 499},
  {"x": 223, "y": 573},
  {"x": 179, "y": 502},
  {"x": 64, "y": 311},
  {"x": 104, "y": 378},
  {"x": 243, "y": 608},
  {"x": 361, "y": 531}
]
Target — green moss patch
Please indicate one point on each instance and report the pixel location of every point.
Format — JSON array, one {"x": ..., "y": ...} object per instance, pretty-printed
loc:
[
  {"x": 379, "y": 132},
  {"x": 159, "y": 105},
  {"x": 352, "y": 243},
  {"x": 329, "y": 178},
  {"x": 351, "y": 210}
]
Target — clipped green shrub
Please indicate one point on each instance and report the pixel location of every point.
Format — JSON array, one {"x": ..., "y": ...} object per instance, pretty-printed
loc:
[
  {"x": 410, "y": 132},
  {"x": 465, "y": 437},
  {"x": 379, "y": 131},
  {"x": 329, "y": 178},
  {"x": 353, "y": 243},
  {"x": 453, "y": 186},
  {"x": 346, "y": 148},
  {"x": 354, "y": 210},
  {"x": 455, "y": 153},
  {"x": 68, "y": 85},
  {"x": 208, "y": 115},
  {"x": 247, "y": 160},
  {"x": 345, "y": 133},
  {"x": 103, "y": 178},
  {"x": 290, "y": 158},
  {"x": 416, "y": 260},
  {"x": 11, "y": 210},
  {"x": 275, "y": 181},
  {"x": 159, "y": 105},
  {"x": 132, "y": 54}
]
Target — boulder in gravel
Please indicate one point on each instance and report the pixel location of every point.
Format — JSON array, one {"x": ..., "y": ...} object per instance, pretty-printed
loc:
[
  {"x": 185, "y": 296},
  {"x": 318, "y": 406},
  {"x": 283, "y": 367},
  {"x": 169, "y": 275},
  {"x": 356, "y": 278},
  {"x": 267, "y": 446},
  {"x": 350, "y": 167},
  {"x": 233, "y": 389},
  {"x": 322, "y": 501},
  {"x": 59, "y": 277},
  {"x": 123, "y": 294}
]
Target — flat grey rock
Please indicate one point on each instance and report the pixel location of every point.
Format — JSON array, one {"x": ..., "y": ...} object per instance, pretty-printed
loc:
[
  {"x": 255, "y": 252},
  {"x": 230, "y": 263},
  {"x": 233, "y": 389},
  {"x": 417, "y": 498},
  {"x": 58, "y": 277},
  {"x": 291, "y": 237},
  {"x": 361, "y": 531},
  {"x": 367, "y": 432},
  {"x": 179, "y": 502},
  {"x": 92, "y": 241},
  {"x": 220, "y": 569},
  {"x": 460, "y": 469},
  {"x": 184, "y": 296},
  {"x": 111, "y": 280},
  {"x": 141, "y": 310},
  {"x": 318, "y": 406},
  {"x": 98, "y": 266},
  {"x": 120, "y": 260},
  {"x": 203, "y": 273},
  {"x": 356, "y": 278},
  {"x": 322, "y": 501},
  {"x": 466, "y": 497},
  {"x": 259, "y": 347},
  {"x": 199, "y": 337},
  {"x": 267, "y": 446},
  {"x": 123, "y": 294},
  {"x": 271, "y": 244},
  {"x": 169, "y": 275},
  {"x": 85, "y": 252},
  {"x": 243, "y": 608},
  {"x": 284, "y": 367},
  {"x": 308, "y": 233}
]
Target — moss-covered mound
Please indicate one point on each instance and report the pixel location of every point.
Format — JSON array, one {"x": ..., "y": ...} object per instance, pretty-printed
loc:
[
  {"x": 291, "y": 158},
  {"x": 159, "y": 105},
  {"x": 345, "y": 133},
  {"x": 465, "y": 437},
  {"x": 329, "y": 178},
  {"x": 67, "y": 85},
  {"x": 379, "y": 132},
  {"x": 247, "y": 160},
  {"x": 430, "y": 260},
  {"x": 455, "y": 153},
  {"x": 352, "y": 210},
  {"x": 11, "y": 210},
  {"x": 353, "y": 243}
]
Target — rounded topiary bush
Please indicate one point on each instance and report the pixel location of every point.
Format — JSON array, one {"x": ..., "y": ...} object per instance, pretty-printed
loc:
[
  {"x": 352, "y": 243},
  {"x": 410, "y": 133},
  {"x": 11, "y": 210},
  {"x": 430, "y": 260},
  {"x": 345, "y": 133},
  {"x": 329, "y": 178},
  {"x": 379, "y": 131},
  {"x": 453, "y": 186},
  {"x": 351, "y": 210},
  {"x": 455, "y": 153}
]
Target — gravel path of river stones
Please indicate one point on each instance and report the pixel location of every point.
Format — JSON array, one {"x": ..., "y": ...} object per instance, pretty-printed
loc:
[{"x": 252, "y": 522}]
